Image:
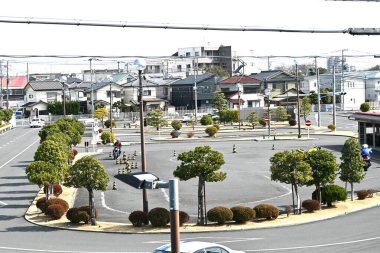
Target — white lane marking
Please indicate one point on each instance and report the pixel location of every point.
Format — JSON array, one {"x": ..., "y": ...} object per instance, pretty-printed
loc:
[
  {"x": 224, "y": 239},
  {"x": 276, "y": 197},
  {"x": 314, "y": 246},
  {"x": 66, "y": 251},
  {"x": 3, "y": 204},
  {"x": 103, "y": 198},
  {"x": 10, "y": 160}
]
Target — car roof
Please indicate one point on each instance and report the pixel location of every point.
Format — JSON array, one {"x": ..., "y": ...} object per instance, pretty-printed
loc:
[{"x": 188, "y": 246}]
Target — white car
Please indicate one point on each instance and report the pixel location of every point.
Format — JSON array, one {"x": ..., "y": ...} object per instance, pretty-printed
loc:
[
  {"x": 37, "y": 123},
  {"x": 187, "y": 117},
  {"x": 197, "y": 247}
]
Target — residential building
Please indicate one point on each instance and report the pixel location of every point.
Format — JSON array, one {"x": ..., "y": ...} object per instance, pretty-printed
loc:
[
  {"x": 250, "y": 93},
  {"x": 13, "y": 91},
  {"x": 104, "y": 93},
  {"x": 276, "y": 81}
]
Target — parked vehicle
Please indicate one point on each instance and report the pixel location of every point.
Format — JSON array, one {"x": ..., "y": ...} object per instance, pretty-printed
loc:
[
  {"x": 187, "y": 117},
  {"x": 196, "y": 247},
  {"x": 37, "y": 123},
  {"x": 19, "y": 114}
]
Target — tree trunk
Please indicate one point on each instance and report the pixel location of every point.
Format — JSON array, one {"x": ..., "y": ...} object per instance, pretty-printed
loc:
[
  {"x": 47, "y": 192},
  {"x": 298, "y": 199},
  {"x": 92, "y": 206},
  {"x": 294, "y": 206},
  {"x": 201, "y": 213},
  {"x": 319, "y": 195},
  {"x": 352, "y": 191}
]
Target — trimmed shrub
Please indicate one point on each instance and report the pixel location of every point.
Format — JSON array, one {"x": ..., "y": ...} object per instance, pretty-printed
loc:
[
  {"x": 58, "y": 201},
  {"x": 41, "y": 204},
  {"x": 190, "y": 134},
  {"x": 72, "y": 215},
  {"x": 217, "y": 127},
  {"x": 75, "y": 152},
  {"x": 332, "y": 127},
  {"x": 56, "y": 211},
  {"x": 176, "y": 124},
  {"x": 107, "y": 123},
  {"x": 292, "y": 122},
  {"x": 265, "y": 211},
  {"x": 311, "y": 205},
  {"x": 211, "y": 131},
  {"x": 107, "y": 137},
  {"x": 159, "y": 217},
  {"x": 183, "y": 218},
  {"x": 220, "y": 214},
  {"x": 83, "y": 216},
  {"x": 362, "y": 194},
  {"x": 138, "y": 218},
  {"x": 262, "y": 122},
  {"x": 175, "y": 133},
  {"x": 364, "y": 107},
  {"x": 57, "y": 189},
  {"x": 331, "y": 193},
  {"x": 370, "y": 193},
  {"x": 242, "y": 214},
  {"x": 206, "y": 120},
  {"x": 100, "y": 130},
  {"x": 87, "y": 210}
]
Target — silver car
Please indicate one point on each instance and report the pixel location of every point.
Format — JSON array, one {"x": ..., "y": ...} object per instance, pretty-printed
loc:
[{"x": 197, "y": 247}]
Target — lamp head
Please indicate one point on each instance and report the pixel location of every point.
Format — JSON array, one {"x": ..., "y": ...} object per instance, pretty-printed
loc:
[
  {"x": 63, "y": 79},
  {"x": 140, "y": 64}
]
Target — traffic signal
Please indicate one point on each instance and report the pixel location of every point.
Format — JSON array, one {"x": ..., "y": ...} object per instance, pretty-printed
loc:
[{"x": 340, "y": 93}]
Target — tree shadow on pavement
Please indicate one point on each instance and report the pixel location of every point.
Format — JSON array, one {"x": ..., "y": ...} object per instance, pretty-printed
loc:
[
  {"x": 8, "y": 217},
  {"x": 31, "y": 228}
]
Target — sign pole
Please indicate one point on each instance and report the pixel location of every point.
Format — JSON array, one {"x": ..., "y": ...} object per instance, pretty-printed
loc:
[{"x": 308, "y": 132}]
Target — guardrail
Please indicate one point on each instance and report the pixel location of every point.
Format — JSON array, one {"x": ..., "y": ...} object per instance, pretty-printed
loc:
[{"x": 5, "y": 128}]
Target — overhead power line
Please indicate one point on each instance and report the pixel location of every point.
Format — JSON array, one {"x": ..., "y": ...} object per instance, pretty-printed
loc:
[{"x": 41, "y": 21}]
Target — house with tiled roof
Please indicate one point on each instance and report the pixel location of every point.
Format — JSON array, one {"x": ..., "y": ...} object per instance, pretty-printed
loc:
[
  {"x": 14, "y": 87},
  {"x": 250, "y": 90},
  {"x": 104, "y": 93},
  {"x": 276, "y": 80}
]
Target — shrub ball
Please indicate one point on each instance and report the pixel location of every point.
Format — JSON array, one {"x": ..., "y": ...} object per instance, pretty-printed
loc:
[
  {"x": 220, "y": 214},
  {"x": 265, "y": 211},
  {"x": 242, "y": 214},
  {"x": 311, "y": 205},
  {"x": 211, "y": 131},
  {"x": 159, "y": 217},
  {"x": 55, "y": 211},
  {"x": 183, "y": 218},
  {"x": 41, "y": 204},
  {"x": 362, "y": 194},
  {"x": 57, "y": 189},
  {"x": 59, "y": 201},
  {"x": 138, "y": 218}
]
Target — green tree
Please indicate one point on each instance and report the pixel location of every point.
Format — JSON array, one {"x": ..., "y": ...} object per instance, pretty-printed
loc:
[
  {"x": 88, "y": 173},
  {"x": 364, "y": 107},
  {"x": 43, "y": 174},
  {"x": 219, "y": 71},
  {"x": 101, "y": 113},
  {"x": 204, "y": 163},
  {"x": 291, "y": 168},
  {"x": 54, "y": 153},
  {"x": 61, "y": 138},
  {"x": 176, "y": 124},
  {"x": 282, "y": 113},
  {"x": 325, "y": 99},
  {"x": 313, "y": 97},
  {"x": 219, "y": 102},
  {"x": 48, "y": 130},
  {"x": 69, "y": 129},
  {"x": 156, "y": 118},
  {"x": 351, "y": 167},
  {"x": 305, "y": 107},
  {"x": 229, "y": 116},
  {"x": 8, "y": 113},
  {"x": 75, "y": 123},
  {"x": 253, "y": 119},
  {"x": 324, "y": 168}
]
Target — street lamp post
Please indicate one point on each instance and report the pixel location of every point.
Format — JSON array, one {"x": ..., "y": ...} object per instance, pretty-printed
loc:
[
  {"x": 110, "y": 81},
  {"x": 239, "y": 88},
  {"x": 92, "y": 85},
  {"x": 62, "y": 80},
  {"x": 298, "y": 103},
  {"x": 140, "y": 65}
]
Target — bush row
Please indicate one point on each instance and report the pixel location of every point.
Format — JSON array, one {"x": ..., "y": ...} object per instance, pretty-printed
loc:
[
  {"x": 81, "y": 214},
  {"x": 54, "y": 207},
  {"x": 158, "y": 217}
]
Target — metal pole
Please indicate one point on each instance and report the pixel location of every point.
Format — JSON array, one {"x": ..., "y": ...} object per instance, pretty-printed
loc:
[
  {"x": 298, "y": 103},
  {"x": 111, "y": 107},
  {"x": 319, "y": 92},
  {"x": 334, "y": 98},
  {"x": 269, "y": 117},
  {"x": 7, "y": 85},
  {"x": 342, "y": 83},
  {"x": 1, "y": 83},
  {"x": 239, "y": 105},
  {"x": 195, "y": 88},
  {"x": 63, "y": 99},
  {"x": 174, "y": 216},
  {"x": 92, "y": 89},
  {"x": 143, "y": 159}
]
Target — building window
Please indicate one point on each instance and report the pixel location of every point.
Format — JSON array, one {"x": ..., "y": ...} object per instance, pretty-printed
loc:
[
  {"x": 147, "y": 93},
  {"x": 179, "y": 68},
  {"x": 196, "y": 53},
  {"x": 51, "y": 96},
  {"x": 187, "y": 54},
  {"x": 188, "y": 67},
  {"x": 30, "y": 96},
  {"x": 253, "y": 103}
]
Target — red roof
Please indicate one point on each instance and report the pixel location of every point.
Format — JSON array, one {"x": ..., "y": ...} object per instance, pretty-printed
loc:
[
  {"x": 240, "y": 79},
  {"x": 15, "y": 81}
]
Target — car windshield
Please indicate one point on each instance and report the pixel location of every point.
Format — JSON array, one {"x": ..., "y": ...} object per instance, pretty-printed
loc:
[{"x": 35, "y": 119}]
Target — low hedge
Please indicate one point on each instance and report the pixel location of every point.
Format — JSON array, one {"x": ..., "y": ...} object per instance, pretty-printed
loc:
[
  {"x": 220, "y": 214},
  {"x": 57, "y": 189},
  {"x": 311, "y": 205},
  {"x": 183, "y": 218},
  {"x": 58, "y": 201},
  {"x": 211, "y": 131},
  {"x": 81, "y": 214},
  {"x": 265, "y": 211},
  {"x": 159, "y": 217},
  {"x": 362, "y": 194},
  {"x": 56, "y": 211},
  {"x": 138, "y": 218},
  {"x": 242, "y": 214}
]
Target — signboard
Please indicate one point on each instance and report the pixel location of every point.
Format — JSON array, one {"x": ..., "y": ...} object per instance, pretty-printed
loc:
[{"x": 308, "y": 123}]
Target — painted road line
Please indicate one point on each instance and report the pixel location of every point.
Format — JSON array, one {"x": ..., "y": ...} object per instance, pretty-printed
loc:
[
  {"x": 10, "y": 160},
  {"x": 103, "y": 198}
]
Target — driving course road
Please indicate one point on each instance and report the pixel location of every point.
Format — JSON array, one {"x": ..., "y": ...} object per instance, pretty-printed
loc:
[{"x": 349, "y": 233}]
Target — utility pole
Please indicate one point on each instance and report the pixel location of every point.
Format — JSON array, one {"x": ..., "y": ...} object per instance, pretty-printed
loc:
[
  {"x": 111, "y": 107},
  {"x": 298, "y": 104},
  {"x": 1, "y": 83},
  {"x": 195, "y": 87},
  {"x": 319, "y": 92},
  {"x": 7, "y": 85},
  {"x": 268, "y": 63},
  {"x": 334, "y": 98},
  {"x": 342, "y": 81}
]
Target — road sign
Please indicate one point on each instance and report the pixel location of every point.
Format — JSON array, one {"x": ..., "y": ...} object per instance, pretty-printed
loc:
[{"x": 308, "y": 123}]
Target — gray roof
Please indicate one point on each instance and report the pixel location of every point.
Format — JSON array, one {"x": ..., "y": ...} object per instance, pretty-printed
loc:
[
  {"x": 97, "y": 86},
  {"x": 263, "y": 75},
  {"x": 45, "y": 85},
  {"x": 191, "y": 79}
]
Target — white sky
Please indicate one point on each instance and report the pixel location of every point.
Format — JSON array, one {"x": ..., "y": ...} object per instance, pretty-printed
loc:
[{"x": 299, "y": 14}]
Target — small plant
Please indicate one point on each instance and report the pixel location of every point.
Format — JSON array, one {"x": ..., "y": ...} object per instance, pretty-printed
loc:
[
  {"x": 176, "y": 124},
  {"x": 41, "y": 204},
  {"x": 107, "y": 137},
  {"x": 183, "y": 218},
  {"x": 58, "y": 201},
  {"x": 211, "y": 131},
  {"x": 370, "y": 193},
  {"x": 332, "y": 127},
  {"x": 331, "y": 193},
  {"x": 175, "y": 133},
  {"x": 220, "y": 215},
  {"x": 56, "y": 211},
  {"x": 362, "y": 194},
  {"x": 86, "y": 209},
  {"x": 364, "y": 107},
  {"x": 217, "y": 127},
  {"x": 242, "y": 214},
  {"x": 107, "y": 123},
  {"x": 292, "y": 122},
  {"x": 138, "y": 218},
  {"x": 206, "y": 120},
  {"x": 288, "y": 210},
  {"x": 311, "y": 205},
  {"x": 57, "y": 189},
  {"x": 72, "y": 215},
  {"x": 190, "y": 134},
  {"x": 262, "y": 122},
  {"x": 159, "y": 217},
  {"x": 265, "y": 211}
]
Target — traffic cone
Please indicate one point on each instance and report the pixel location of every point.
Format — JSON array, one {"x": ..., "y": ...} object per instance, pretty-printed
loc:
[
  {"x": 110, "y": 154},
  {"x": 273, "y": 147},
  {"x": 174, "y": 154},
  {"x": 129, "y": 157},
  {"x": 134, "y": 153},
  {"x": 133, "y": 157},
  {"x": 117, "y": 161},
  {"x": 119, "y": 171},
  {"x": 135, "y": 165},
  {"x": 234, "y": 149},
  {"x": 114, "y": 186}
]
